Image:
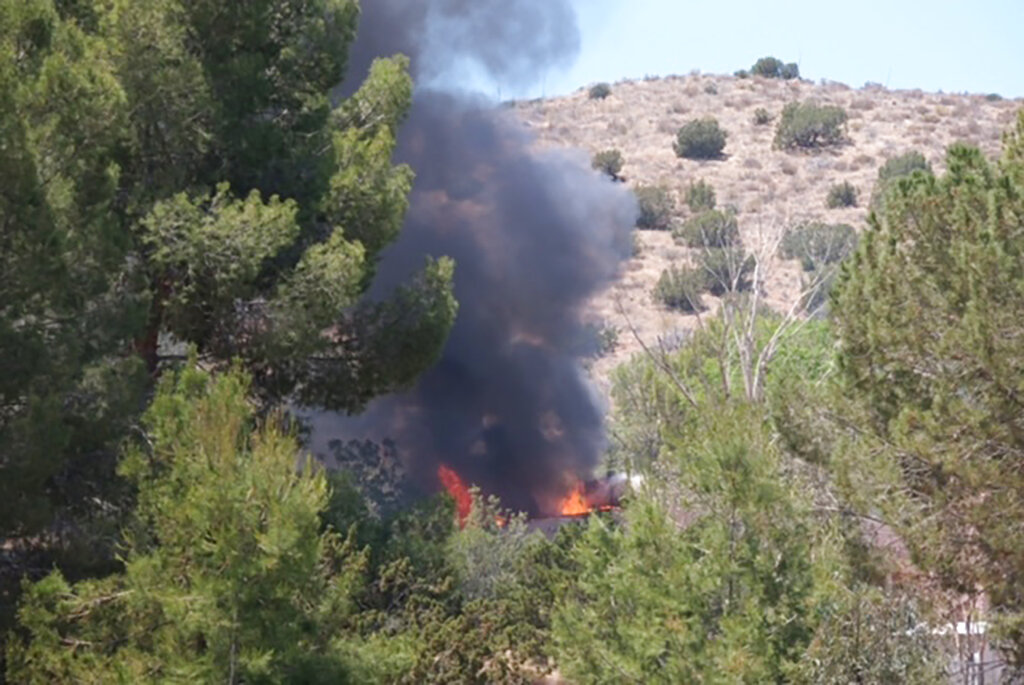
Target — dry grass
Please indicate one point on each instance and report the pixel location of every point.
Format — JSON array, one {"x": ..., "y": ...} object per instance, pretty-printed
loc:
[{"x": 768, "y": 187}]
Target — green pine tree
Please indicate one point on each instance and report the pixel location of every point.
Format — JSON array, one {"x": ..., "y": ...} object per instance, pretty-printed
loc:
[
  {"x": 929, "y": 317},
  {"x": 175, "y": 173}
]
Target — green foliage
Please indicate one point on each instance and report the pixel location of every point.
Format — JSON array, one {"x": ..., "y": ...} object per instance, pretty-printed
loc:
[
  {"x": 681, "y": 288},
  {"x": 762, "y": 117},
  {"x": 177, "y": 173},
  {"x": 227, "y": 573},
  {"x": 841, "y": 195},
  {"x": 712, "y": 228},
  {"x": 727, "y": 269},
  {"x": 700, "y": 196},
  {"x": 993, "y": 97},
  {"x": 929, "y": 316},
  {"x": 808, "y": 126},
  {"x": 771, "y": 67},
  {"x": 902, "y": 166},
  {"x": 607, "y": 336},
  {"x": 817, "y": 244},
  {"x": 494, "y": 625},
  {"x": 872, "y": 636},
  {"x": 721, "y": 490},
  {"x": 656, "y": 207},
  {"x": 722, "y": 587},
  {"x": 700, "y": 139},
  {"x": 741, "y": 73},
  {"x": 599, "y": 91},
  {"x": 608, "y": 162}
]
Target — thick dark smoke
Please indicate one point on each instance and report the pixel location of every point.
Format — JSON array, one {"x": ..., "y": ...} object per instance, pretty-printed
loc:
[{"x": 534, "y": 235}]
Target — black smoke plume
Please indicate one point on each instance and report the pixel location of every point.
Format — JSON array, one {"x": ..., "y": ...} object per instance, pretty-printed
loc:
[{"x": 534, "y": 234}]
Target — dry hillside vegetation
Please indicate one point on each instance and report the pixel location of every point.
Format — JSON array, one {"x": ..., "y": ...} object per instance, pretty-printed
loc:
[{"x": 770, "y": 189}]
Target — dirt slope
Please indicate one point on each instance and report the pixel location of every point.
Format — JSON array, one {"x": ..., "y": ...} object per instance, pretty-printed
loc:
[{"x": 771, "y": 189}]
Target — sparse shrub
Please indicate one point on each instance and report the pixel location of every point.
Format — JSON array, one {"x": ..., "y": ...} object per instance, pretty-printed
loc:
[
  {"x": 993, "y": 97},
  {"x": 817, "y": 244},
  {"x": 741, "y": 73},
  {"x": 726, "y": 269},
  {"x": 904, "y": 165},
  {"x": 762, "y": 117},
  {"x": 656, "y": 207},
  {"x": 681, "y": 288},
  {"x": 771, "y": 67},
  {"x": 700, "y": 139},
  {"x": 709, "y": 229},
  {"x": 606, "y": 337},
  {"x": 789, "y": 71},
  {"x": 599, "y": 91},
  {"x": 608, "y": 162},
  {"x": 841, "y": 195},
  {"x": 807, "y": 125},
  {"x": 711, "y": 89},
  {"x": 894, "y": 169},
  {"x": 700, "y": 196}
]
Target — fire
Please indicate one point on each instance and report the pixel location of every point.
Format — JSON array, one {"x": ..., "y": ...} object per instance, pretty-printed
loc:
[
  {"x": 574, "y": 503},
  {"x": 458, "y": 490}
]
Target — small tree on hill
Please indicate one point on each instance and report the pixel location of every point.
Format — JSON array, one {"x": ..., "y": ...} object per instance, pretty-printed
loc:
[
  {"x": 608, "y": 162},
  {"x": 711, "y": 228},
  {"x": 700, "y": 139},
  {"x": 700, "y": 196},
  {"x": 771, "y": 67},
  {"x": 599, "y": 91},
  {"x": 762, "y": 117},
  {"x": 902, "y": 166},
  {"x": 841, "y": 195},
  {"x": 817, "y": 244},
  {"x": 656, "y": 207},
  {"x": 807, "y": 125},
  {"x": 681, "y": 288}
]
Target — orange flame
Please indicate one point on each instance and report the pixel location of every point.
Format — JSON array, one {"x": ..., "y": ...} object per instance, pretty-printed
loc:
[
  {"x": 457, "y": 489},
  {"x": 574, "y": 503}
]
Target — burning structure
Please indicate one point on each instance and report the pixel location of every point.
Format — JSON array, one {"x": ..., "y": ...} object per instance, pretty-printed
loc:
[
  {"x": 534, "y": 235},
  {"x": 583, "y": 499}
]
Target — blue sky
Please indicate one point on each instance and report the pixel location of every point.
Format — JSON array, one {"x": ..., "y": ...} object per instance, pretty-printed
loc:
[{"x": 950, "y": 45}]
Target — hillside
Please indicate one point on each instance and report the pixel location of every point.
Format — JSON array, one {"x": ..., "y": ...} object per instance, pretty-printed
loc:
[{"x": 771, "y": 189}]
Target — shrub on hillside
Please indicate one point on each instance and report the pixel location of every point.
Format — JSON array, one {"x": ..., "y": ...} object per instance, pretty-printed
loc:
[
  {"x": 700, "y": 196},
  {"x": 608, "y": 162},
  {"x": 656, "y": 207},
  {"x": 741, "y": 73},
  {"x": 605, "y": 337},
  {"x": 762, "y": 117},
  {"x": 807, "y": 125},
  {"x": 711, "y": 89},
  {"x": 896, "y": 168},
  {"x": 700, "y": 139},
  {"x": 771, "y": 67},
  {"x": 904, "y": 165},
  {"x": 726, "y": 269},
  {"x": 681, "y": 288},
  {"x": 817, "y": 244},
  {"x": 709, "y": 229},
  {"x": 599, "y": 91},
  {"x": 841, "y": 195}
]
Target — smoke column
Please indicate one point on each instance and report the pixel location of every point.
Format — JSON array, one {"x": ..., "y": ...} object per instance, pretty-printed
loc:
[{"x": 534, "y": 235}]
